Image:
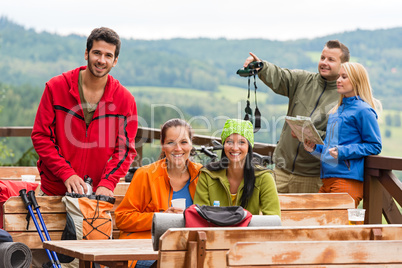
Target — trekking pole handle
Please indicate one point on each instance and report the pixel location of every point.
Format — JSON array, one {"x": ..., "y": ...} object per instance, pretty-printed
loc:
[
  {"x": 31, "y": 196},
  {"x": 24, "y": 197}
]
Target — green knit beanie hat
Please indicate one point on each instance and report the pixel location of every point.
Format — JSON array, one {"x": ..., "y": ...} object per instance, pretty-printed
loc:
[{"x": 242, "y": 127}]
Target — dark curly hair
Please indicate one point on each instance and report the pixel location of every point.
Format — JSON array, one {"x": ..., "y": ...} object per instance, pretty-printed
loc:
[{"x": 104, "y": 34}]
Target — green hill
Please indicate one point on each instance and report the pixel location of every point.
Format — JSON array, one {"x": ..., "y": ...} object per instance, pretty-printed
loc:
[{"x": 191, "y": 78}]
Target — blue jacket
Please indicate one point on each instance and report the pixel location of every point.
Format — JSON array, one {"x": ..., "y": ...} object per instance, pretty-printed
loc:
[{"x": 354, "y": 130}]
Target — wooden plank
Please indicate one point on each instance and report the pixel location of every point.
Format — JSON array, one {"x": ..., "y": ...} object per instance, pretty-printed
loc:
[
  {"x": 322, "y": 266},
  {"x": 18, "y": 223},
  {"x": 15, "y": 173},
  {"x": 225, "y": 237},
  {"x": 54, "y": 222},
  {"x": 48, "y": 204},
  {"x": 372, "y": 200},
  {"x": 121, "y": 188},
  {"x": 213, "y": 258},
  {"x": 15, "y": 131},
  {"x": 315, "y": 252},
  {"x": 391, "y": 184},
  {"x": 315, "y": 201},
  {"x": 390, "y": 209},
  {"x": 105, "y": 249},
  {"x": 292, "y": 202},
  {"x": 314, "y": 217},
  {"x": 32, "y": 239}
]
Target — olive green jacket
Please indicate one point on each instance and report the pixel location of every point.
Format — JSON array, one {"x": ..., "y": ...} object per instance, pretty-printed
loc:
[
  {"x": 214, "y": 185},
  {"x": 309, "y": 95}
]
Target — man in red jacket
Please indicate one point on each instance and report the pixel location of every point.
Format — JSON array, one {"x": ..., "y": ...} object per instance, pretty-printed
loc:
[{"x": 86, "y": 123}]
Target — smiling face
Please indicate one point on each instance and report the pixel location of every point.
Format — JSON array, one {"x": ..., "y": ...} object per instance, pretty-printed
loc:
[
  {"x": 177, "y": 146},
  {"x": 344, "y": 85},
  {"x": 330, "y": 63},
  {"x": 101, "y": 58},
  {"x": 236, "y": 148}
]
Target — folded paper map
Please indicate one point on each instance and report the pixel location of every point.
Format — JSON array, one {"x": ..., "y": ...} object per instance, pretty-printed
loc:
[{"x": 304, "y": 129}]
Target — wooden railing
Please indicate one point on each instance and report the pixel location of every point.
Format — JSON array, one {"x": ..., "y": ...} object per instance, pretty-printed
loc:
[{"x": 381, "y": 187}]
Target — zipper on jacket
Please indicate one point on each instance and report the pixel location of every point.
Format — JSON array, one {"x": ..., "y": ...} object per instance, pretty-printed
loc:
[
  {"x": 315, "y": 107},
  {"x": 347, "y": 162}
]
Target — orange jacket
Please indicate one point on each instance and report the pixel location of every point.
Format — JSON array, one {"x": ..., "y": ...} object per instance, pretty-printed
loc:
[{"x": 149, "y": 192}]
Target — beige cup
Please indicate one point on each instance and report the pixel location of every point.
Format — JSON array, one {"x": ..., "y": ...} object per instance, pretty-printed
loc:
[
  {"x": 356, "y": 216},
  {"x": 28, "y": 178},
  {"x": 179, "y": 203}
]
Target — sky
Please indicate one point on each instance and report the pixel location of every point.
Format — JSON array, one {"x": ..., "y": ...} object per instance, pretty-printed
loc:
[{"x": 232, "y": 19}]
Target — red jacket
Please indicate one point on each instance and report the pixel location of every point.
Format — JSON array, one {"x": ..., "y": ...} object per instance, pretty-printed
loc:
[{"x": 66, "y": 147}]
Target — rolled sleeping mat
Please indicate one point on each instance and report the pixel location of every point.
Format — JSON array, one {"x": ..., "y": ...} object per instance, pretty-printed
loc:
[
  {"x": 265, "y": 220},
  {"x": 15, "y": 255},
  {"x": 161, "y": 222}
]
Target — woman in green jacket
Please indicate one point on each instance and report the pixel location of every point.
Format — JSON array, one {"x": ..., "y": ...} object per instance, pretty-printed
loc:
[{"x": 235, "y": 180}]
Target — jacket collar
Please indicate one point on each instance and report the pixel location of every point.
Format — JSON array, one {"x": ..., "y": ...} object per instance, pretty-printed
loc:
[
  {"x": 322, "y": 81},
  {"x": 193, "y": 169},
  {"x": 110, "y": 86},
  {"x": 350, "y": 100}
]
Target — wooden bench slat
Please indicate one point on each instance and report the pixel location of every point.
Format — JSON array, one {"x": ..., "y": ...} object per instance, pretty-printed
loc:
[
  {"x": 33, "y": 239},
  {"x": 289, "y": 202},
  {"x": 315, "y": 201},
  {"x": 216, "y": 258},
  {"x": 320, "y": 266},
  {"x": 315, "y": 252},
  {"x": 48, "y": 204},
  {"x": 314, "y": 217},
  {"x": 54, "y": 222},
  {"x": 223, "y": 237},
  {"x": 14, "y": 173}
]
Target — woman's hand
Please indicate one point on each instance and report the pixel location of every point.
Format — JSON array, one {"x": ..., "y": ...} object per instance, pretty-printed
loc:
[
  {"x": 309, "y": 146},
  {"x": 333, "y": 152},
  {"x": 174, "y": 210}
]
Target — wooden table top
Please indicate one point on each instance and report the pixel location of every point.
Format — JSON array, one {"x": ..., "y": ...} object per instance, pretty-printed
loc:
[{"x": 105, "y": 250}]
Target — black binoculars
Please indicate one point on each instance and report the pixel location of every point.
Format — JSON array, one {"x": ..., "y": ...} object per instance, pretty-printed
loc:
[{"x": 250, "y": 70}]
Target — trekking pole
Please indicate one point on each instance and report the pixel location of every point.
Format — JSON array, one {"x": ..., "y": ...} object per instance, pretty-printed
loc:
[
  {"x": 23, "y": 194},
  {"x": 34, "y": 203}
]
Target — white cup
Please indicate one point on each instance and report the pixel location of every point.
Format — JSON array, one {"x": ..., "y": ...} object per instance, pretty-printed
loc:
[
  {"x": 28, "y": 178},
  {"x": 179, "y": 203}
]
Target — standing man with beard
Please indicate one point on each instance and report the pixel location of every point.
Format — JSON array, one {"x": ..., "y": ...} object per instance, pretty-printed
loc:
[
  {"x": 310, "y": 94},
  {"x": 86, "y": 123}
]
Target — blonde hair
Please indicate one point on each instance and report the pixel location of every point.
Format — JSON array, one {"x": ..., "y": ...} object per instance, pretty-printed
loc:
[{"x": 359, "y": 79}]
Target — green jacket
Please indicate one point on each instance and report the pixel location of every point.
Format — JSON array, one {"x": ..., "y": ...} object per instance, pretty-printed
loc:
[
  {"x": 309, "y": 95},
  {"x": 214, "y": 185}
]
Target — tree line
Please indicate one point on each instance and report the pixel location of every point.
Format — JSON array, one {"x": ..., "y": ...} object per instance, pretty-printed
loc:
[{"x": 31, "y": 57}]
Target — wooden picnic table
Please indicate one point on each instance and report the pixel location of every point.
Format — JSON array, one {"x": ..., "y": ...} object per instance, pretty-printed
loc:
[{"x": 112, "y": 252}]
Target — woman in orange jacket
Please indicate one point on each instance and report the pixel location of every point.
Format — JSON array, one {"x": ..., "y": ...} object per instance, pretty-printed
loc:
[{"x": 154, "y": 186}]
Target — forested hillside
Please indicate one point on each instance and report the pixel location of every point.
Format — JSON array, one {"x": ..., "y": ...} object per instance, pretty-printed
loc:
[
  {"x": 32, "y": 58},
  {"x": 193, "y": 78}
]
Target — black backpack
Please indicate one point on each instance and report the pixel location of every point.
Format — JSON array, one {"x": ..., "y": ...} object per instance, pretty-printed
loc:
[{"x": 209, "y": 216}]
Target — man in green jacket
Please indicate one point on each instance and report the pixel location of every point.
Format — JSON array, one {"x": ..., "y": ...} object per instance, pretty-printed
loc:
[{"x": 310, "y": 94}]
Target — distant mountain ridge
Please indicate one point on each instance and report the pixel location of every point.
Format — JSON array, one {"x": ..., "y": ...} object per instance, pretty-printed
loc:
[{"x": 33, "y": 58}]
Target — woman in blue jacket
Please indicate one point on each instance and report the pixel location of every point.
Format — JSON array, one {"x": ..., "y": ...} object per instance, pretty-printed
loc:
[{"x": 352, "y": 134}]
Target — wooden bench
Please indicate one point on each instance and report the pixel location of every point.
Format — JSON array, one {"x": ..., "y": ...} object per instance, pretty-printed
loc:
[
  {"x": 54, "y": 215},
  {"x": 15, "y": 172},
  {"x": 208, "y": 247},
  {"x": 296, "y": 209},
  {"x": 355, "y": 253}
]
